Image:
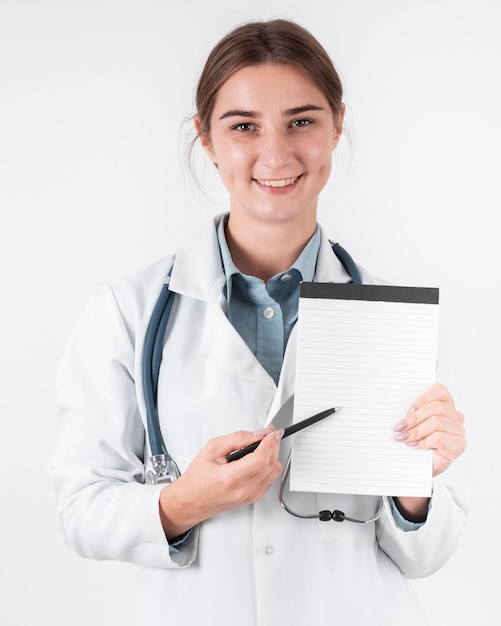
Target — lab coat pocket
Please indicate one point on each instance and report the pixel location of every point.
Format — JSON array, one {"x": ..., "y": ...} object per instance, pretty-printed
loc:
[{"x": 357, "y": 507}]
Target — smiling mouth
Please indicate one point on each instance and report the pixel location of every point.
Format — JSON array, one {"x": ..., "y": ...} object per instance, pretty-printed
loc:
[{"x": 284, "y": 182}]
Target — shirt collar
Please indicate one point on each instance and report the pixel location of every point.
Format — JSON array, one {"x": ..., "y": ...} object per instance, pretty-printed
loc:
[{"x": 305, "y": 264}]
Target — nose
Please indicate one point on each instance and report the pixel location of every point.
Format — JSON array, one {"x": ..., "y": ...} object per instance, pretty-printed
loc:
[{"x": 275, "y": 150}]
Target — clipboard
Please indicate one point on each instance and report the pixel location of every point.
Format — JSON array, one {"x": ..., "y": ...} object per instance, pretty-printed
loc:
[{"x": 372, "y": 350}]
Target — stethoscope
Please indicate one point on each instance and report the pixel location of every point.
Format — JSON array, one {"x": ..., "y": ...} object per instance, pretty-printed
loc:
[{"x": 164, "y": 469}]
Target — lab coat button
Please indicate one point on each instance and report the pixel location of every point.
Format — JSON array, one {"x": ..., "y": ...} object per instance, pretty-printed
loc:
[
  {"x": 269, "y": 550},
  {"x": 269, "y": 313}
]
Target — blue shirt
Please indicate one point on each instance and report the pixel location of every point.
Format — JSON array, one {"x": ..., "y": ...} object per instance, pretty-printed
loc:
[{"x": 265, "y": 313}]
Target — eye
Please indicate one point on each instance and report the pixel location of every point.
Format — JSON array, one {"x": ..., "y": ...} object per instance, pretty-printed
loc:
[
  {"x": 243, "y": 127},
  {"x": 302, "y": 122}
]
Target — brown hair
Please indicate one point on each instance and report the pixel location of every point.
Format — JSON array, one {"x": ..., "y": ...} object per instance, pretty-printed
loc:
[{"x": 255, "y": 43}]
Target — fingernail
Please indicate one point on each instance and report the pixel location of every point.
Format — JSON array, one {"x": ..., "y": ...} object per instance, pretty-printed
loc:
[
  {"x": 412, "y": 408},
  {"x": 263, "y": 431},
  {"x": 402, "y": 425},
  {"x": 412, "y": 443},
  {"x": 402, "y": 437},
  {"x": 279, "y": 434}
]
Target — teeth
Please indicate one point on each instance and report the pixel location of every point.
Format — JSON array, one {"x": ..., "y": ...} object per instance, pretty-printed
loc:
[{"x": 278, "y": 183}]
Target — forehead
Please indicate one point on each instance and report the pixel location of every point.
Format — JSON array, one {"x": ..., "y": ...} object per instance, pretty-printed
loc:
[{"x": 269, "y": 86}]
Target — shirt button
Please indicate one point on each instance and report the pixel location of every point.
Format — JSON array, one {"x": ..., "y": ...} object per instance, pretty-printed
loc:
[
  {"x": 269, "y": 550},
  {"x": 285, "y": 277},
  {"x": 269, "y": 313}
]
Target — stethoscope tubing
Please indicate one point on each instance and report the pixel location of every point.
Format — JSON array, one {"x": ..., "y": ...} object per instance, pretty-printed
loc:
[
  {"x": 323, "y": 516},
  {"x": 152, "y": 358}
]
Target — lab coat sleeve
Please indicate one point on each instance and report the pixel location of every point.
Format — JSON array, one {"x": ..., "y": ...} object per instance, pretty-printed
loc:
[
  {"x": 422, "y": 552},
  {"x": 105, "y": 511}
]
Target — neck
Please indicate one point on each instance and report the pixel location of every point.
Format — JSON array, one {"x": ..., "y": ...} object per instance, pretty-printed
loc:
[{"x": 266, "y": 248}]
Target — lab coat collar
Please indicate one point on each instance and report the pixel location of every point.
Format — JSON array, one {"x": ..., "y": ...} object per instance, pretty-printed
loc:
[
  {"x": 329, "y": 268},
  {"x": 198, "y": 266}
]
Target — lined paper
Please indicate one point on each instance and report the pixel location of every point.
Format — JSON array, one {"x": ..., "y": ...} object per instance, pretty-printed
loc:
[{"x": 372, "y": 350}]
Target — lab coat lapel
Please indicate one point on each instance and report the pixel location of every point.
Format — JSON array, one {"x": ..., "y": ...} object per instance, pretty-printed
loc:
[
  {"x": 198, "y": 273},
  {"x": 329, "y": 269},
  {"x": 285, "y": 389},
  {"x": 223, "y": 347}
]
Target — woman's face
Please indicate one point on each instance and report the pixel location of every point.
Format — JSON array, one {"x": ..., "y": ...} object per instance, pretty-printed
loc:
[{"x": 272, "y": 136}]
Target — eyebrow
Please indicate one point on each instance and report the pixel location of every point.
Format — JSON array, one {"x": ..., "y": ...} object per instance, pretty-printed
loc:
[{"x": 287, "y": 113}]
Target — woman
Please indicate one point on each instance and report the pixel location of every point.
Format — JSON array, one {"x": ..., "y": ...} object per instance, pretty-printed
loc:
[{"x": 215, "y": 545}]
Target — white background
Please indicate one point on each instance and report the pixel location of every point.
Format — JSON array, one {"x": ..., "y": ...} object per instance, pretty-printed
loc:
[{"x": 93, "y": 95}]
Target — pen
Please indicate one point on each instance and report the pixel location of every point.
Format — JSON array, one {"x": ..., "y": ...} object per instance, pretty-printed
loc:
[{"x": 290, "y": 430}]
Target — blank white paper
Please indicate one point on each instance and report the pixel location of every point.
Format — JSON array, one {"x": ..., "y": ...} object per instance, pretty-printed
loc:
[{"x": 372, "y": 358}]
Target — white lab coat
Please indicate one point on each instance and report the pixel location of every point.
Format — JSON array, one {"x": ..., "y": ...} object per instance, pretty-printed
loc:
[{"x": 255, "y": 566}]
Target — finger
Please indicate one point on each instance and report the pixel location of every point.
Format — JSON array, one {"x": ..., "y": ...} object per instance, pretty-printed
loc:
[
  {"x": 446, "y": 442},
  {"x": 221, "y": 447},
  {"x": 269, "y": 479},
  {"x": 435, "y": 392},
  {"x": 266, "y": 453},
  {"x": 249, "y": 477},
  {"x": 434, "y": 418},
  {"x": 435, "y": 402},
  {"x": 446, "y": 448},
  {"x": 265, "y": 461},
  {"x": 428, "y": 427},
  {"x": 432, "y": 433}
]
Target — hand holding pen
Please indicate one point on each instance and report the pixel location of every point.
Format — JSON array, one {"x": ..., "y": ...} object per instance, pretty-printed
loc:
[
  {"x": 211, "y": 484},
  {"x": 290, "y": 430}
]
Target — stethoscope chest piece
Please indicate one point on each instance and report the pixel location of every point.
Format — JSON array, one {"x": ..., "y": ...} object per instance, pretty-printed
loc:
[{"x": 163, "y": 470}]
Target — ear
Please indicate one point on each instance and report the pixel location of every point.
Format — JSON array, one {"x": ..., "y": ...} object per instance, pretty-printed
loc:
[
  {"x": 338, "y": 125},
  {"x": 204, "y": 139}
]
